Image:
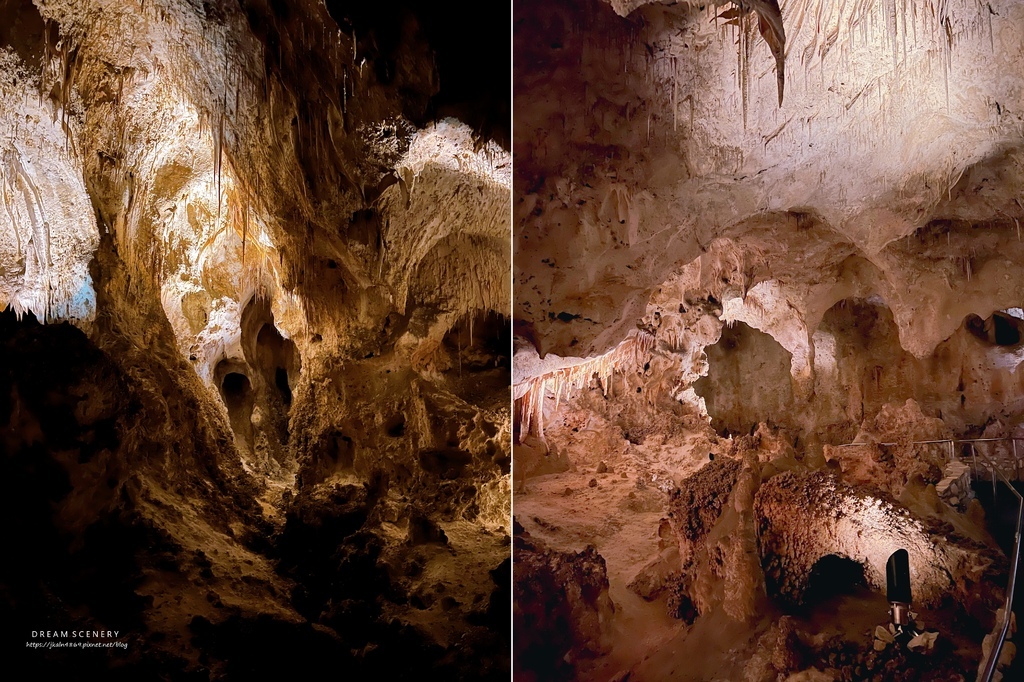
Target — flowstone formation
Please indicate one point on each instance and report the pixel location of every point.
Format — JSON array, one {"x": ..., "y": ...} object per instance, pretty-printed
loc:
[
  {"x": 255, "y": 277},
  {"x": 749, "y": 235}
]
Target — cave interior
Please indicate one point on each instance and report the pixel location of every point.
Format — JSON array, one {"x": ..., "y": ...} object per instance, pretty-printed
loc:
[
  {"x": 767, "y": 332},
  {"x": 254, "y": 388}
]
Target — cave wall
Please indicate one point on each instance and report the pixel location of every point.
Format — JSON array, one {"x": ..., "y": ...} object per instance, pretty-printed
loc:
[
  {"x": 748, "y": 380},
  {"x": 866, "y": 530},
  {"x": 267, "y": 227}
]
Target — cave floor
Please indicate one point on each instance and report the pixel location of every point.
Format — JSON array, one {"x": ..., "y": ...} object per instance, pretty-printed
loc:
[
  {"x": 621, "y": 520},
  {"x": 234, "y": 577},
  {"x": 620, "y": 517},
  {"x": 455, "y": 577}
]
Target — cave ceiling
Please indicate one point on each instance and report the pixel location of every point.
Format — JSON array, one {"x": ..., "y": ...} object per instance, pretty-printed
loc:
[
  {"x": 283, "y": 150},
  {"x": 651, "y": 148}
]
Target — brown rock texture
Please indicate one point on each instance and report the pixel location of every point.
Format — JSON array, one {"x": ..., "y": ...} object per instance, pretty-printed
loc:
[
  {"x": 561, "y": 608},
  {"x": 802, "y": 518},
  {"x": 254, "y": 266}
]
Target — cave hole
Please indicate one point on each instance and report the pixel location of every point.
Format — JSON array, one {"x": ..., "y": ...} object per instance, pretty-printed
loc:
[
  {"x": 24, "y": 30},
  {"x": 343, "y": 451},
  {"x": 235, "y": 388},
  {"x": 471, "y": 89},
  {"x": 865, "y": 325},
  {"x": 277, "y": 357},
  {"x": 274, "y": 365},
  {"x": 1000, "y": 329},
  {"x": 748, "y": 380},
  {"x": 833, "y": 576},
  {"x": 281, "y": 381},
  {"x": 236, "y": 391},
  {"x": 271, "y": 355},
  {"x": 859, "y": 340},
  {"x": 448, "y": 463},
  {"x": 481, "y": 340},
  {"x": 395, "y": 426}
]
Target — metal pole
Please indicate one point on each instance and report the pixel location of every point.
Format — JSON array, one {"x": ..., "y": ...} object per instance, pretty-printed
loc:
[
  {"x": 1016, "y": 462},
  {"x": 997, "y": 646}
]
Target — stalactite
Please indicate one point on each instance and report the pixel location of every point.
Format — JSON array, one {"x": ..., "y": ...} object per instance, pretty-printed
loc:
[
  {"x": 8, "y": 198},
  {"x": 565, "y": 382},
  {"x": 218, "y": 156},
  {"x": 743, "y": 67}
]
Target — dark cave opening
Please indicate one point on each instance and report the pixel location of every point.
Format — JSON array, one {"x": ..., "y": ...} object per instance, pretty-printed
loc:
[
  {"x": 281, "y": 381},
  {"x": 395, "y": 426},
  {"x": 1000, "y": 329},
  {"x": 864, "y": 324},
  {"x": 239, "y": 398},
  {"x": 266, "y": 349},
  {"x": 236, "y": 389},
  {"x": 342, "y": 452},
  {"x": 278, "y": 360},
  {"x": 833, "y": 576},
  {"x": 273, "y": 364},
  {"x": 481, "y": 340},
  {"x": 1006, "y": 331},
  {"x": 473, "y": 64},
  {"x": 23, "y": 29},
  {"x": 480, "y": 367}
]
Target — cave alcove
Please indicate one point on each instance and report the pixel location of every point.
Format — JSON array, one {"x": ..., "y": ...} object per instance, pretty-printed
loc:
[
  {"x": 833, "y": 576},
  {"x": 748, "y": 380}
]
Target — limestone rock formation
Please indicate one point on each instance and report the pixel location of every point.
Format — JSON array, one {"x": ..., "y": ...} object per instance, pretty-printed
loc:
[
  {"x": 771, "y": 249},
  {"x": 802, "y": 519},
  {"x": 561, "y": 608},
  {"x": 255, "y": 271}
]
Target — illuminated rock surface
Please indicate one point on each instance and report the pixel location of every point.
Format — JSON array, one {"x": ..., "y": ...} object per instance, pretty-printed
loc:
[
  {"x": 254, "y": 259},
  {"x": 844, "y": 265}
]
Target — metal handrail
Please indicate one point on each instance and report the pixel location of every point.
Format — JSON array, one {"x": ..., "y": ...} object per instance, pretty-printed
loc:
[
  {"x": 986, "y": 674},
  {"x": 997, "y": 646}
]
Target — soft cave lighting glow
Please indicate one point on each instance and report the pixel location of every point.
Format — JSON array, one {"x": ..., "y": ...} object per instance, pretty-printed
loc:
[
  {"x": 450, "y": 144},
  {"x": 50, "y": 275},
  {"x": 231, "y": 452},
  {"x": 850, "y": 523}
]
